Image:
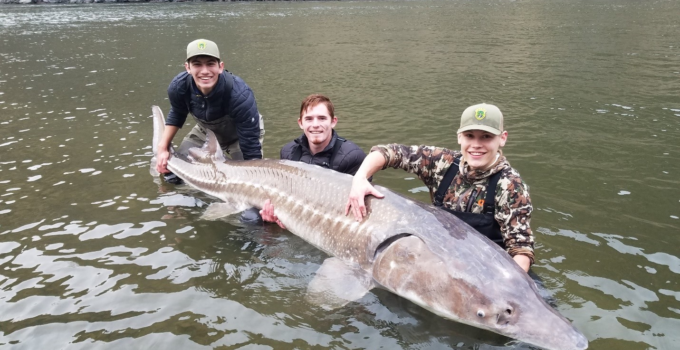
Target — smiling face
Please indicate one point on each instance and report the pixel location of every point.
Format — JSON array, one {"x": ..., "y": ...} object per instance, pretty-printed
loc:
[
  {"x": 317, "y": 124},
  {"x": 205, "y": 70},
  {"x": 480, "y": 147}
]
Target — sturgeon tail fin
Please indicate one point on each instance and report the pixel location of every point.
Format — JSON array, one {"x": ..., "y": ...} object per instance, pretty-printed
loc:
[{"x": 158, "y": 127}]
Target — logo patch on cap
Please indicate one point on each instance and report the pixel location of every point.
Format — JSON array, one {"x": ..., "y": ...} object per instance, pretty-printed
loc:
[
  {"x": 480, "y": 113},
  {"x": 201, "y": 45}
]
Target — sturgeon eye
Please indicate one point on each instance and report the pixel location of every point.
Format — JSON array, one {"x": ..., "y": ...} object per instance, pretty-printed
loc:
[{"x": 480, "y": 313}]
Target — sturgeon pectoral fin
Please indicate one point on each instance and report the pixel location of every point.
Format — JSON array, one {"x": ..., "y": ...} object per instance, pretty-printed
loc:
[
  {"x": 337, "y": 283},
  {"x": 219, "y": 210}
]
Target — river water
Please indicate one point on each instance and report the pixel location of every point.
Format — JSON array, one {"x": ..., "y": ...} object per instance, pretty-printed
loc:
[{"x": 95, "y": 254}]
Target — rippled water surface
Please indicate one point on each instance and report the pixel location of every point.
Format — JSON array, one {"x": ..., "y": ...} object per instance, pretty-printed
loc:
[{"x": 95, "y": 254}]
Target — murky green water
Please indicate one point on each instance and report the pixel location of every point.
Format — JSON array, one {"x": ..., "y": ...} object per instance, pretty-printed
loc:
[{"x": 94, "y": 254}]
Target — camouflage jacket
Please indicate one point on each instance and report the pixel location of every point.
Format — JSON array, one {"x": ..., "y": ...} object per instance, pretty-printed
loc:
[{"x": 513, "y": 205}]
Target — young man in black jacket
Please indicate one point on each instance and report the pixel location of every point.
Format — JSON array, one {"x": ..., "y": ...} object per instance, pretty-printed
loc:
[
  {"x": 319, "y": 144},
  {"x": 217, "y": 100}
]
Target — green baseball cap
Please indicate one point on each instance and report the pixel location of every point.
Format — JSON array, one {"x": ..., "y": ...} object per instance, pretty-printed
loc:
[
  {"x": 202, "y": 47},
  {"x": 484, "y": 117}
]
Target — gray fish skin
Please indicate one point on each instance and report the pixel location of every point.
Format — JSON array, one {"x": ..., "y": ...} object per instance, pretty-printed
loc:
[{"x": 414, "y": 250}]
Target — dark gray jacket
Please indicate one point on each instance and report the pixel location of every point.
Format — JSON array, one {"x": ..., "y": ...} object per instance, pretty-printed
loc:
[
  {"x": 347, "y": 160},
  {"x": 238, "y": 103}
]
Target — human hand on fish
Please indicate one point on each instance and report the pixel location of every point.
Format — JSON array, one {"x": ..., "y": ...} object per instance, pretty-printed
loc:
[
  {"x": 162, "y": 161},
  {"x": 267, "y": 214},
  {"x": 356, "y": 202}
]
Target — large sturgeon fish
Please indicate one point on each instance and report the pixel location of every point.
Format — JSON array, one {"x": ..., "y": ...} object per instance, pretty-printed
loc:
[{"x": 416, "y": 251}]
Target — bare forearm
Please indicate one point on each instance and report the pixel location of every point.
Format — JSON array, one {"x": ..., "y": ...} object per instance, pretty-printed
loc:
[
  {"x": 162, "y": 149},
  {"x": 168, "y": 134},
  {"x": 523, "y": 261},
  {"x": 373, "y": 162}
]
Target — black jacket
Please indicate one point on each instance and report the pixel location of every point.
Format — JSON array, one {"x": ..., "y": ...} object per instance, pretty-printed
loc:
[
  {"x": 238, "y": 103},
  {"x": 347, "y": 160}
]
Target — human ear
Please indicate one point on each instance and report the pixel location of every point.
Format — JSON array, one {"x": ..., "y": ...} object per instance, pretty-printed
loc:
[{"x": 504, "y": 138}]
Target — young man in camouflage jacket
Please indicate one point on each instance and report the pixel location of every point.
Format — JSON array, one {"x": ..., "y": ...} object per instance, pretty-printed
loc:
[{"x": 480, "y": 162}]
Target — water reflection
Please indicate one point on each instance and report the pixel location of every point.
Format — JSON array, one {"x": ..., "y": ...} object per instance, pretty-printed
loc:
[{"x": 213, "y": 288}]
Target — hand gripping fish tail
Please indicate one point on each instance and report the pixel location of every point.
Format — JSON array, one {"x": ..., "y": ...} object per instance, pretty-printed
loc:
[{"x": 411, "y": 249}]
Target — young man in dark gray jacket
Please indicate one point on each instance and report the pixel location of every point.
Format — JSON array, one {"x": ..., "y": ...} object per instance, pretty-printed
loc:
[
  {"x": 218, "y": 101},
  {"x": 319, "y": 144}
]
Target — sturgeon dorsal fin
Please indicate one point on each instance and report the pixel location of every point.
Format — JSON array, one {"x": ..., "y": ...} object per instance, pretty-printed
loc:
[{"x": 212, "y": 147}]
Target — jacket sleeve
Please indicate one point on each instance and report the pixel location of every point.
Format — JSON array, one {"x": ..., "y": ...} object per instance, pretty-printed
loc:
[
  {"x": 177, "y": 97},
  {"x": 247, "y": 120},
  {"x": 513, "y": 213},
  {"x": 427, "y": 162}
]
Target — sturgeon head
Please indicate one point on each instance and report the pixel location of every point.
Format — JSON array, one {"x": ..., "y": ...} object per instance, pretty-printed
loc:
[{"x": 461, "y": 275}]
